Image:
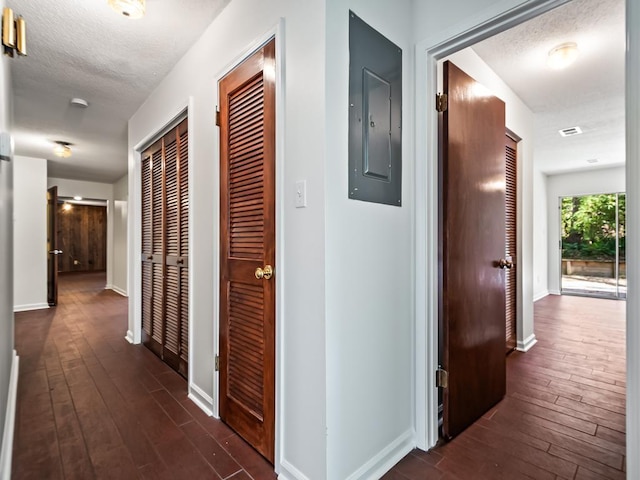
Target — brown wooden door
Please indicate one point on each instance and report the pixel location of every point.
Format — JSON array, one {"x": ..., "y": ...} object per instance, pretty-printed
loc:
[
  {"x": 165, "y": 248},
  {"x": 472, "y": 175},
  {"x": 510, "y": 240},
  {"x": 82, "y": 235},
  {"x": 52, "y": 246},
  {"x": 247, "y": 243}
]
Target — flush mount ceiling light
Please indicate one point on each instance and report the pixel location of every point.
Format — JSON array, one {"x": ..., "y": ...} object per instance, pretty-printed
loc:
[
  {"x": 79, "y": 102},
  {"x": 562, "y": 56},
  {"x": 62, "y": 149},
  {"x": 128, "y": 8},
  {"x": 77, "y": 198}
]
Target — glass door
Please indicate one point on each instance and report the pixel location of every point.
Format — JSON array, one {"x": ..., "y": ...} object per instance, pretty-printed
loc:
[{"x": 593, "y": 245}]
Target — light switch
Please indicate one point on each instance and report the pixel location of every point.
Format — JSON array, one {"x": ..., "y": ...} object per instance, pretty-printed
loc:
[{"x": 301, "y": 194}]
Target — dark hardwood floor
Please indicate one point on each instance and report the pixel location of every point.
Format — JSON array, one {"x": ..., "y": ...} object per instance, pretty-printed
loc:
[
  {"x": 90, "y": 405},
  {"x": 564, "y": 413}
]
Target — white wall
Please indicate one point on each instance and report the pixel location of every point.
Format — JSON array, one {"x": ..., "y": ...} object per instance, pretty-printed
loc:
[
  {"x": 30, "y": 233},
  {"x": 540, "y": 236},
  {"x": 519, "y": 120},
  {"x": 369, "y": 265},
  {"x": 96, "y": 191},
  {"x": 119, "y": 261},
  {"x": 300, "y": 270},
  {"x": 605, "y": 180},
  {"x": 6, "y": 276}
]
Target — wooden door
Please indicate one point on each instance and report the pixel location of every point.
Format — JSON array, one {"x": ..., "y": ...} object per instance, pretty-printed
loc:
[
  {"x": 82, "y": 235},
  {"x": 510, "y": 240},
  {"x": 165, "y": 244},
  {"x": 472, "y": 229},
  {"x": 247, "y": 247},
  {"x": 52, "y": 246}
]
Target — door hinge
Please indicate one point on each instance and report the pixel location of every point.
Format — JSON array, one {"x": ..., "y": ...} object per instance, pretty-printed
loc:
[
  {"x": 217, "y": 362},
  {"x": 442, "y": 378},
  {"x": 217, "y": 117},
  {"x": 441, "y": 102}
]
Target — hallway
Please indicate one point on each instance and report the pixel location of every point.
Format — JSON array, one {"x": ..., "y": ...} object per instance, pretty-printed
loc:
[
  {"x": 90, "y": 405},
  {"x": 564, "y": 413}
]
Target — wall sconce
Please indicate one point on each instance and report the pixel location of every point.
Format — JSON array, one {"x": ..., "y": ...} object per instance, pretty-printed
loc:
[{"x": 14, "y": 34}]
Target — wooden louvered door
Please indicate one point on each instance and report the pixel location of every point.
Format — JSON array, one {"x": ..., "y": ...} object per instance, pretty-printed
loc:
[
  {"x": 247, "y": 247},
  {"x": 165, "y": 238},
  {"x": 510, "y": 279}
]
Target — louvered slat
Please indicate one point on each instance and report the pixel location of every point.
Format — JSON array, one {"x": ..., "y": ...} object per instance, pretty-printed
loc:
[
  {"x": 510, "y": 241},
  {"x": 146, "y": 205},
  {"x": 246, "y": 345},
  {"x": 172, "y": 317},
  {"x": 246, "y": 164},
  {"x": 157, "y": 307},
  {"x": 184, "y": 193},
  {"x": 171, "y": 190},
  {"x": 157, "y": 201},
  {"x": 184, "y": 313},
  {"x": 147, "y": 293}
]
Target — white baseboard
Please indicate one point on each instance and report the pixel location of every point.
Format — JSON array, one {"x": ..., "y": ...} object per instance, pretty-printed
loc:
[
  {"x": 540, "y": 295},
  {"x": 32, "y": 306},
  {"x": 528, "y": 342},
  {"x": 129, "y": 337},
  {"x": 201, "y": 399},
  {"x": 289, "y": 472},
  {"x": 555, "y": 292},
  {"x": 381, "y": 463},
  {"x": 116, "y": 289},
  {"x": 6, "y": 450}
]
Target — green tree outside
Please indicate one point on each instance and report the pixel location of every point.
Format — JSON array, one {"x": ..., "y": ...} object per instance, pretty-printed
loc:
[{"x": 589, "y": 227}]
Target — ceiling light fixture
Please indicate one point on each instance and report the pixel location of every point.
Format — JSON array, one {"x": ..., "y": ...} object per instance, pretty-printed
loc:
[
  {"x": 77, "y": 198},
  {"x": 79, "y": 102},
  {"x": 129, "y": 8},
  {"x": 62, "y": 149},
  {"x": 562, "y": 56}
]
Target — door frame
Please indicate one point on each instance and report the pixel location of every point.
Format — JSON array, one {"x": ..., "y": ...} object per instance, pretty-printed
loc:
[
  {"x": 492, "y": 21},
  {"x": 277, "y": 33}
]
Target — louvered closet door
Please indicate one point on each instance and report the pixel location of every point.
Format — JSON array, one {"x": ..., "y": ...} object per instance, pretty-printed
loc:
[
  {"x": 165, "y": 238},
  {"x": 511, "y": 240},
  {"x": 247, "y": 215}
]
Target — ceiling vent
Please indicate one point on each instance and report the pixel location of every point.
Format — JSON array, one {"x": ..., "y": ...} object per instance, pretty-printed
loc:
[{"x": 569, "y": 132}]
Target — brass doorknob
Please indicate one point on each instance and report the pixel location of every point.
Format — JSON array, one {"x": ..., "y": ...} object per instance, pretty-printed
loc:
[
  {"x": 505, "y": 263},
  {"x": 265, "y": 273}
]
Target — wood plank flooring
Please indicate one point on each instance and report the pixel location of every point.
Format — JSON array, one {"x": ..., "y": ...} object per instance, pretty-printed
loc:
[
  {"x": 92, "y": 406},
  {"x": 564, "y": 413}
]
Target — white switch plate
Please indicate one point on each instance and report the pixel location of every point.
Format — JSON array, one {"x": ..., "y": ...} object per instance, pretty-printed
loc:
[{"x": 301, "y": 194}]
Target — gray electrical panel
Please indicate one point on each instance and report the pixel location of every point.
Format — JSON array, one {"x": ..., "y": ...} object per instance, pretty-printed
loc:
[{"x": 375, "y": 115}]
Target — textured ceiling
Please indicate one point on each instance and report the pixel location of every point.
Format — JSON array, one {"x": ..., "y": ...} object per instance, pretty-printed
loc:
[
  {"x": 82, "y": 48},
  {"x": 588, "y": 94}
]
